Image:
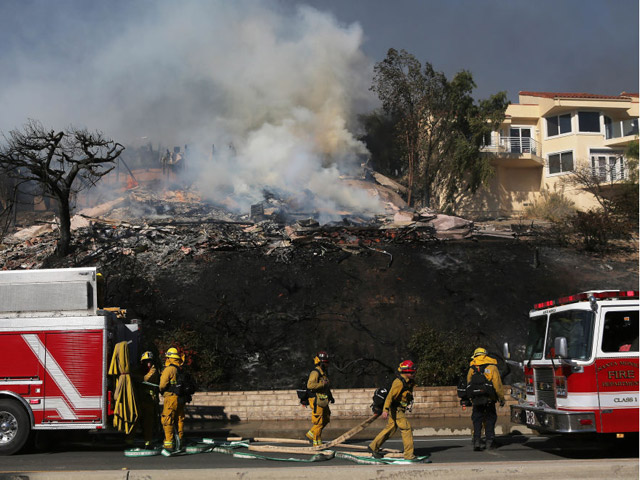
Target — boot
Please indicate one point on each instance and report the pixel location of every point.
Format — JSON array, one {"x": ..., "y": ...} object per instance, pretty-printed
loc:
[
  {"x": 374, "y": 453},
  {"x": 491, "y": 444},
  {"x": 477, "y": 447}
]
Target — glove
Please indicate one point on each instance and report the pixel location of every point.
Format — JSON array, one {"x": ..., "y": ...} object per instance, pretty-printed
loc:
[
  {"x": 332, "y": 400},
  {"x": 502, "y": 403}
]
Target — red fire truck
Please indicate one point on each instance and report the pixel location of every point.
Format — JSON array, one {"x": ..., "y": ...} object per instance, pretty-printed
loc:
[
  {"x": 581, "y": 365},
  {"x": 55, "y": 343}
]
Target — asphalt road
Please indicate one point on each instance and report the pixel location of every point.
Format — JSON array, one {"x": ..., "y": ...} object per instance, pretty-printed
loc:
[{"x": 90, "y": 453}]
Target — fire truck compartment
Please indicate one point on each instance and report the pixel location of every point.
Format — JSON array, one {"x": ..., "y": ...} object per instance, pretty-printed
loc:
[
  {"x": 46, "y": 293},
  {"x": 553, "y": 421}
]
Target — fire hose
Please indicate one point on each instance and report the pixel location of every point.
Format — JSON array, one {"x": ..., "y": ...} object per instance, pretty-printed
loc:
[{"x": 318, "y": 454}]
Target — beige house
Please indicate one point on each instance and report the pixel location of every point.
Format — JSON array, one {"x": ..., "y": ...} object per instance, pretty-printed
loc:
[{"x": 547, "y": 136}]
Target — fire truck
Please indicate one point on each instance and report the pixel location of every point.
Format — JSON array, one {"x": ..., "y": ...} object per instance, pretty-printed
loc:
[
  {"x": 581, "y": 365},
  {"x": 55, "y": 342}
]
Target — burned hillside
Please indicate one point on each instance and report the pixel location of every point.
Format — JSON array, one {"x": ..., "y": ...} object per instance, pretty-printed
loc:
[{"x": 254, "y": 296}]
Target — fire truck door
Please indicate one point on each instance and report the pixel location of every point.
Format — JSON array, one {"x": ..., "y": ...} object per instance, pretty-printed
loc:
[
  {"x": 74, "y": 376},
  {"x": 617, "y": 370},
  {"x": 21, "y": 373}
]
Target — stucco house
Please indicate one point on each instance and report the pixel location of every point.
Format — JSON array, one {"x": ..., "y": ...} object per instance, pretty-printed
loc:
[{"x": 547, "y": 136}]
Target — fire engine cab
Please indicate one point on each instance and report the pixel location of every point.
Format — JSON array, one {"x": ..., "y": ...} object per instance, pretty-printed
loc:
[
  {"x": 581, "y": 365},
  {"x": 55, "y": 343}
]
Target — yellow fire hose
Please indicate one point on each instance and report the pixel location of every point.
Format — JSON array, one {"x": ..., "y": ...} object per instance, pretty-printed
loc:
[{"x": 125, "y": 410}]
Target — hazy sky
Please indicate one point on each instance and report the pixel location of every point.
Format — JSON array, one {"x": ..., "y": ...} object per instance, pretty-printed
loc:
[
  {"x": 542, "y": 45},
  {"x": 513, "y": 45},
  {"x": 276, "y": 84}
]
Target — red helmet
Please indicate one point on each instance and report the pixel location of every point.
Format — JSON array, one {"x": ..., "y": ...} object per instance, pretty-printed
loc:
[
  {"x": 407, "y": 367},
  {"x": 322, "y": 357}
]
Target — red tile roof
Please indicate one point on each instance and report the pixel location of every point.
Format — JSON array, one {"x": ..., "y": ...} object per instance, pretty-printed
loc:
[{"x": 577, "y": 95}]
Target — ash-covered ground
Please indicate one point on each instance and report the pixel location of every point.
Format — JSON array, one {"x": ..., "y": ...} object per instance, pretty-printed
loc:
[{"x": 259, "y": 298}]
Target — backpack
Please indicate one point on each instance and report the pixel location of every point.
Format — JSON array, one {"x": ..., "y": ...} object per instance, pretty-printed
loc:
[
  {"x": 462, "y": 390},
  {"x": 480, "y": 390},
  {"x": 303, "y": 393},
  {"x": 380, "y": 396},
  {"x": 185, "y": 386}
]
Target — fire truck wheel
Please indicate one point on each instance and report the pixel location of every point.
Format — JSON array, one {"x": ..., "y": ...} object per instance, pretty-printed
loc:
[{"x": 14, "y": 427}]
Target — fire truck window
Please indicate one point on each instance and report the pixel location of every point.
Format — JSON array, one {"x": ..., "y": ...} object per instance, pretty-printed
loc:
[
  {"x": 620, "y": 332},
  {"x": 577, "y": 327},
  {"x": 535, "y": 340}
]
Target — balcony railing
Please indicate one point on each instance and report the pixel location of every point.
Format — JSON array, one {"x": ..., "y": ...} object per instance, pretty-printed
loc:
[{"x": 514, "y": 145}]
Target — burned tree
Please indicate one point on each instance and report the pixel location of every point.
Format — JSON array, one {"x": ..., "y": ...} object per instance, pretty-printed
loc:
[{"x": 58, "y": 164}]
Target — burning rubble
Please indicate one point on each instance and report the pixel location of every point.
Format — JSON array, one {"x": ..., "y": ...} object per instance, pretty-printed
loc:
[{"x": 169, "y": 224}]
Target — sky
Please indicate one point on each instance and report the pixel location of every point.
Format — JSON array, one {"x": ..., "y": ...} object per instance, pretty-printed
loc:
[
  {"x": 513, "y": 45},
  {"x": 276, "y": 85}
]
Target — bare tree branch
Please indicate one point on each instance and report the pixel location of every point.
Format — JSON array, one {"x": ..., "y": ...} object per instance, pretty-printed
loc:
[{"x": 57, "y": 163}]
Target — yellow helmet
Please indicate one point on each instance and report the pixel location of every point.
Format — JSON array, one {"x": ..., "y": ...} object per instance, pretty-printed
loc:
[
  {"x": 172, "y": 353},
  {"x": 146, "y": 356},
  {"x": 479, "y": 351}
]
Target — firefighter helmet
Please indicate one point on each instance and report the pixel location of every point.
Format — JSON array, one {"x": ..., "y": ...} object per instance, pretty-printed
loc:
[
  {"x": 407, "y": 367},
  {"x": 172, "y": 353},
  {"x": 479, "y": 351},
  {"x": 321, "y": 357},
  {"x": 146, "y": 356}
]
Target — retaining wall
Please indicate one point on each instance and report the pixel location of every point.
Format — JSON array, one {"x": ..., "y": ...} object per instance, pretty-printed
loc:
[{"x": 350, "y": 403}]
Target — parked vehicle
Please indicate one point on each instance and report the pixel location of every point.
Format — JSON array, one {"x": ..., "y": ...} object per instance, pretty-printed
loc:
[
  {"x": 56, "y": 343},
  {"x": 581, "y": 365}
]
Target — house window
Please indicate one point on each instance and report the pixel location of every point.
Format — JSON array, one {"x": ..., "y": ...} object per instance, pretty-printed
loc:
[
  {"x": 558, "y": 125},
  {"x": 561, "y": 162},
  {"x": 520, "y": 140},
  {"x": 588, "y": 121},
  {"x": 612, "y": 128},
  {"x": 607, "y": 165},
  {"x": 630, "y": 127}
]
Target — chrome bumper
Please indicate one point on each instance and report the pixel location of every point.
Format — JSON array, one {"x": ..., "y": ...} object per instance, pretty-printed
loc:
[{"x": 553, "y": 421}]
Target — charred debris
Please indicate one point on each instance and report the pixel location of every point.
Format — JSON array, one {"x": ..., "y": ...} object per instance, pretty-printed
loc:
[{"x": 164, "y": 226}]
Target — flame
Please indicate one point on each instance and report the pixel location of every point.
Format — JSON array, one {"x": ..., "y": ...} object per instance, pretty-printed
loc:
[{"x": 131, "y": 183}]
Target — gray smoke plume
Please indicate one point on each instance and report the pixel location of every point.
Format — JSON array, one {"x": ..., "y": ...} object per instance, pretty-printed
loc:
[{"x": 273, "y": 87}]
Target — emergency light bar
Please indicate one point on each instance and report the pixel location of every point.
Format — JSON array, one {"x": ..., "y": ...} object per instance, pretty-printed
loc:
[{"x": 579, "y": 297}]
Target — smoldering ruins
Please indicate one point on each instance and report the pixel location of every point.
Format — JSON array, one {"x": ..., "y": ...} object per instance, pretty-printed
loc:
[
  {"x": 244, "y": 218},
  {"x": 255, "y": 296}
]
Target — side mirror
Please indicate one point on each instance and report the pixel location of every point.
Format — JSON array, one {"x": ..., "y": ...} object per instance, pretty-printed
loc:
[
  {"x": 505, "y": 351},
  {"x": 560, "y": 346}
]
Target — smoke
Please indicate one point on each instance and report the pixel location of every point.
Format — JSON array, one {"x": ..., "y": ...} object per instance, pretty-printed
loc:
[{"x": 271, "y": 85}]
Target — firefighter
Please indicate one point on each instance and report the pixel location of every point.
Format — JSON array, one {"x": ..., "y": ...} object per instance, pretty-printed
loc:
[
  {"x": 173, "y": 409},
  {"x": 484, "y": 409},
  {"x": 319, "y": 398},
  {"x": 148, "y": 397},
  {"x": 399, "y": 399}
]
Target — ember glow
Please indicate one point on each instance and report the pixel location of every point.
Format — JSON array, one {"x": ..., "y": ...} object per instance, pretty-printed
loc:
[{"x": 273, "y": 88}]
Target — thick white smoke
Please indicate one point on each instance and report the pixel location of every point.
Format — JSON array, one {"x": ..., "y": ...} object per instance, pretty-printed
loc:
[{"x": 271, "y": 86}]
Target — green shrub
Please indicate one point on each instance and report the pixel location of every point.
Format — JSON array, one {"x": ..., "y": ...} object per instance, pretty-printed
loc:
[
  {"x": 199, "y": 357},
  {"x": 596, "y": 228},
  {"x": 440, "y": 356}
]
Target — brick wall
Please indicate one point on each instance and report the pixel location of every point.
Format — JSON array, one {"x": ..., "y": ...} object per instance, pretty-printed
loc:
[{"x": 350, "y": 403}]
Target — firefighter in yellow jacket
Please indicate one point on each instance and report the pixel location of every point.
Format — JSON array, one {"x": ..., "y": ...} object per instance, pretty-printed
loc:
[
  {"x": 148, "y": 397},
  {"x": 319, "y": 398},
  {"x": 484, "y": 409},
  {"x": 399, "y": 399},
  {"x": 173, "y": 409}
]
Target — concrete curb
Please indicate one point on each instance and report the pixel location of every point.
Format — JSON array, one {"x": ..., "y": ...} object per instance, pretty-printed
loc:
[{"x": 534, "y": 470}]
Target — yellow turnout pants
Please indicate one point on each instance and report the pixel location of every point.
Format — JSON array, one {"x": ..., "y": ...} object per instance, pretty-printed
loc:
[
  {"x": 320, "y": 417},
  {"x": 172, "y": 411},
  {"x": 396, "y": 419}
]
